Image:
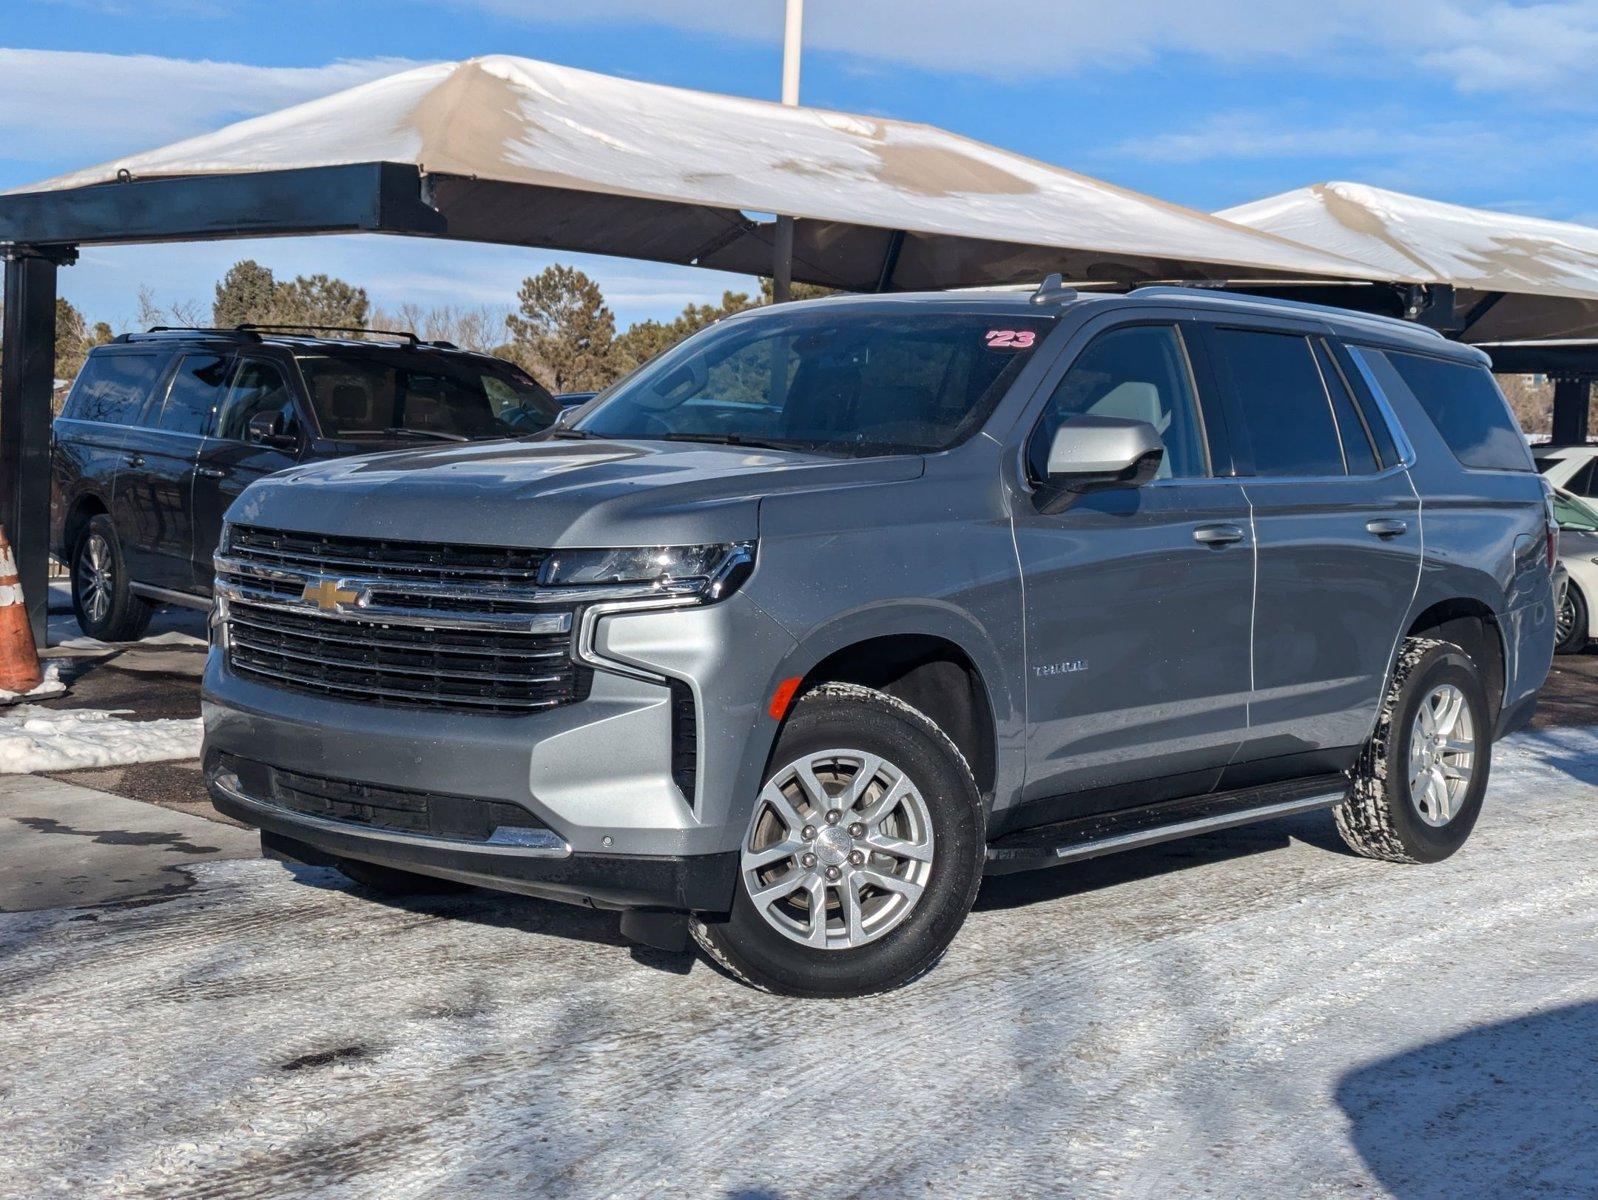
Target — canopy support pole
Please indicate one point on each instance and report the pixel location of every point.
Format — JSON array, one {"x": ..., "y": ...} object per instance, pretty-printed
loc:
[
  {"x": 27, "y": 382},
  {"x": 782, "y": 262},
  {"x": 890, "y": 260},
  {"x": 1572, "y": 399}
]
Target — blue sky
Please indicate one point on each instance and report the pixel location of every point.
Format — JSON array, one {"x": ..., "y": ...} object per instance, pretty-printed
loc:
[{"x": 1204, "y": 102}]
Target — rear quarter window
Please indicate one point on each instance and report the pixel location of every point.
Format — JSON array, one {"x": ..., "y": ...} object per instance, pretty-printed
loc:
[
  {"x": 1468, "y": 410},
  {"x": 113, "y": 387}
]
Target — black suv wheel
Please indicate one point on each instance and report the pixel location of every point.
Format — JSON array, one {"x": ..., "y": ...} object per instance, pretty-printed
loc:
[
  {"x": 102, "y": 593},
  {"x": 863, "y": 855}
]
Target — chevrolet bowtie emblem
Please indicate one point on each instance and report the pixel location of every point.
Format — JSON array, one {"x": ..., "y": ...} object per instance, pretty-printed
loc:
[{"x": 327, "y": 595}]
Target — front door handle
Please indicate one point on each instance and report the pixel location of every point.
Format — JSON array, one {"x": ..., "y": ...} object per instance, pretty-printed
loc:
[
  {"x": 211, "y": 472},
  {"x": 135, "y": 460},
  {"x": 1386, "y": 527},
  {"x": 1217, "y": 535}
]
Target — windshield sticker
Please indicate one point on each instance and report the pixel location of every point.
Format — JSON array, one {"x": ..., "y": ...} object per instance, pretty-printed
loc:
[{"x": 1010, "y": 339}]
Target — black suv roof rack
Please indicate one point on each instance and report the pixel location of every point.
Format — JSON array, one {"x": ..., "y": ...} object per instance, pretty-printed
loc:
[{"x": 252, "y": 332}]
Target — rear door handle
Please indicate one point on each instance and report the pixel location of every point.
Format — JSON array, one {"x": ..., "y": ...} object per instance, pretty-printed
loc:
[
  {"x": 135, "y": 460},
  {"x": 1387, "y": 527},
  {"x": 211, "y": 472},
  {"x": 1217, "y": 535}
]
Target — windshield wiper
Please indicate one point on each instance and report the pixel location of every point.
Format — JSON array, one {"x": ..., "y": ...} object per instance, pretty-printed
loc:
[
  {"x": 737, "y": 439},
  {"x": 571, "y": 435},
  {"x": 396, "y": 431}
]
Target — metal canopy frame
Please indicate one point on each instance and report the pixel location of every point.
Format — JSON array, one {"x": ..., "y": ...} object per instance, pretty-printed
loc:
[{"x": 41, "y": 231}]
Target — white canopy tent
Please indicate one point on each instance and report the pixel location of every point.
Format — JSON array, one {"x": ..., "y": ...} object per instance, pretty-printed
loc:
[
  {"x": 520, "y": 151},
  {"x": 1513, "y": 277}
]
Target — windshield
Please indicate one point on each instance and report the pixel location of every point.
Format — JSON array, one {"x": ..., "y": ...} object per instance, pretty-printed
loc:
[
  {"x": 383, "y": 391},
  {"x": 830, "y": 380},
  {"x": 1572, "y": 512}
]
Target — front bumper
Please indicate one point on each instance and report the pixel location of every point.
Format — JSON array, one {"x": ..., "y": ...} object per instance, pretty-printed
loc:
[{"x": 547, "y": 868}]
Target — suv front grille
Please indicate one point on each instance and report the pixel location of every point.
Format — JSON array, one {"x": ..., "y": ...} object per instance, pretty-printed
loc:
[{"x": 396, "y": 623}]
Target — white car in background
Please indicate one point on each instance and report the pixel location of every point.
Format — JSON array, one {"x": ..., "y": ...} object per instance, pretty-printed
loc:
[{"x": 1573, "y": 471}]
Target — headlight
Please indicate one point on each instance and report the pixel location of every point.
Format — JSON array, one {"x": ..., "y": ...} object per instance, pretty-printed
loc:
[{"x": 711, "y": 571}]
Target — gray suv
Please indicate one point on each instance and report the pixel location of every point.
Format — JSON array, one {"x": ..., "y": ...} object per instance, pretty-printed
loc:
[{"x": 799, "y": 631}]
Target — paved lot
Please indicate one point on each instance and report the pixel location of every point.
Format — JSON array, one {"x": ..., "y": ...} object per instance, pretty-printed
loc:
[
  {"x": 1252, "y": 1014},
  {"x": 63, "y": 845}
]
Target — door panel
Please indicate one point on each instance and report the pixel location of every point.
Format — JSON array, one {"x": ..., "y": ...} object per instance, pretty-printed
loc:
[
  {"x": 1137, "y": 600},
  {"x": 152, "y": 505},
  {"x": 155, "y": 492},
  {"x": 1333, "y": 591},
  {"x": 228, "y": 463},
  {"x": 1137, "y": 636},
  {"x": 1338, "y": 552}
]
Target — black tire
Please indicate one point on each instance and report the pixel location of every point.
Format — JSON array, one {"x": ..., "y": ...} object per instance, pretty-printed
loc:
[
  {"x": 102, "y": 594},
  {"x": 1574, "y": 618},
  {"x": 837, "y": 716},
  {"x": 1380, "y": 818},
  {"x": 391, "y": 881}
]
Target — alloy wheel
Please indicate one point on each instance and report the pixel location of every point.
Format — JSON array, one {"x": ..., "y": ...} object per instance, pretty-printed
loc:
[
  {"x": 1565, "y": 619},
  {"x": 96, "y": 580},
  {"x": 839, "y": 849},
  {"x": 1442, "y": 754}
]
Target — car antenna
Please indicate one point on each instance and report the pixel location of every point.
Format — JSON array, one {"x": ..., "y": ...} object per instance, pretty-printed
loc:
[{"x": 1053, "y": 291}]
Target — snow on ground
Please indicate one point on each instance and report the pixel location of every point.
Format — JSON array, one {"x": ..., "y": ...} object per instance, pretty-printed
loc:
[
  {"x": 49, "y": 685},
  {"x": 46, "y": 739},
  {"x": 1255, "y": 1013}
]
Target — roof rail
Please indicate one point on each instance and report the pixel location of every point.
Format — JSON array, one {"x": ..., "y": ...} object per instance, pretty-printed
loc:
[
  {"x": 1222, "y": 291},
  {"x": 402, "y": 334},
  {"x": 207, "y": 330}
]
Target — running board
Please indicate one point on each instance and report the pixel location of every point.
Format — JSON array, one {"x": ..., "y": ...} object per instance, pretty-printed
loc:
[
  {"x": 1131, "y": 829},
  {"x": 149, "y": 591}
]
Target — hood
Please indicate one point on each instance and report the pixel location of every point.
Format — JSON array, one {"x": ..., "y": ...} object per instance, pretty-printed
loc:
[{"x": 555, "y": 493}]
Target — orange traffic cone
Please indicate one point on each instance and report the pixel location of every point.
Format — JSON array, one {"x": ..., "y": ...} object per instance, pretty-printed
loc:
[{"x": 19, "y": 660}]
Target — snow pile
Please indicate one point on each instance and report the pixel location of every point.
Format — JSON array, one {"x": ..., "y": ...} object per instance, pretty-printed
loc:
[
  {"x": 43, "y": 739},
  {"x": 50, "y": 685}
]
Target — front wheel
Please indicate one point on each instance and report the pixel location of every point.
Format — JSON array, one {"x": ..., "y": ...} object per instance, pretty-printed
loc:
[
  {"x": 1570, "y": 626},
  {"x": 863, "y": 855},
  {"x": 1417, "y": 789}
]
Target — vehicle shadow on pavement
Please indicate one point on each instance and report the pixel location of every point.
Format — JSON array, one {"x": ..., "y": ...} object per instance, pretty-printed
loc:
[
  {"x": 503, "y": 910},
  {"x": 1032, "y": 887},
  {"x": 1505, "y": 1109}
]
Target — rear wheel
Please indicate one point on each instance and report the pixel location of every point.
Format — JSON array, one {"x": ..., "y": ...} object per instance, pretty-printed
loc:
[
  {"x": 863, "y": 855},
  {"x": 102, "y": 594},
  {"x": 1570, "y": 627},
  {"x": 1418, "y": 786}
]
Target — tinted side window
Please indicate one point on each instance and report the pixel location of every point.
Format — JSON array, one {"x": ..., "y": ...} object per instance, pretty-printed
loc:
[
  {"x": 1357, "y": 451},
  {"x": 257, "y": 387},
  {"x": 196, "y": 388},
  {"x": 1139, "y": 373},
  {"x": 1582, "y": 483},
  {"x": 113, "y": 387},
  {"x": 1469, "y": 411},
  {"x": 1276, "y": 386},
  {"x": 1375, "y": 421}
]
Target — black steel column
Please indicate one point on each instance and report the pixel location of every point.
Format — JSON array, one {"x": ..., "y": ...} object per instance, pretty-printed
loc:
[
  {"x": 782, "y": 261},
  {"x": 1572, "y": 398},
  {"x": 27, "y": 379}
]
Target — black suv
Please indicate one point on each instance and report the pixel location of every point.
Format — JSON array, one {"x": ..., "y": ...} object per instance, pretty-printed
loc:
[{"x": 163, "y": 430}]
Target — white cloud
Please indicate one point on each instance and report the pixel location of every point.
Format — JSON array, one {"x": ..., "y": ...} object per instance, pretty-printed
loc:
[
  {"x": 1543, "y": 50},
  {"x": 75, "y": 106},
  {"x": 1275, "y": 149}
]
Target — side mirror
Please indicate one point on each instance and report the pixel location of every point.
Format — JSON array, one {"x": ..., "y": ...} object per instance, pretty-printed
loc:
[
  {"x": 268, "y": 429},
  {"x": 1097, "y": 454}
]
